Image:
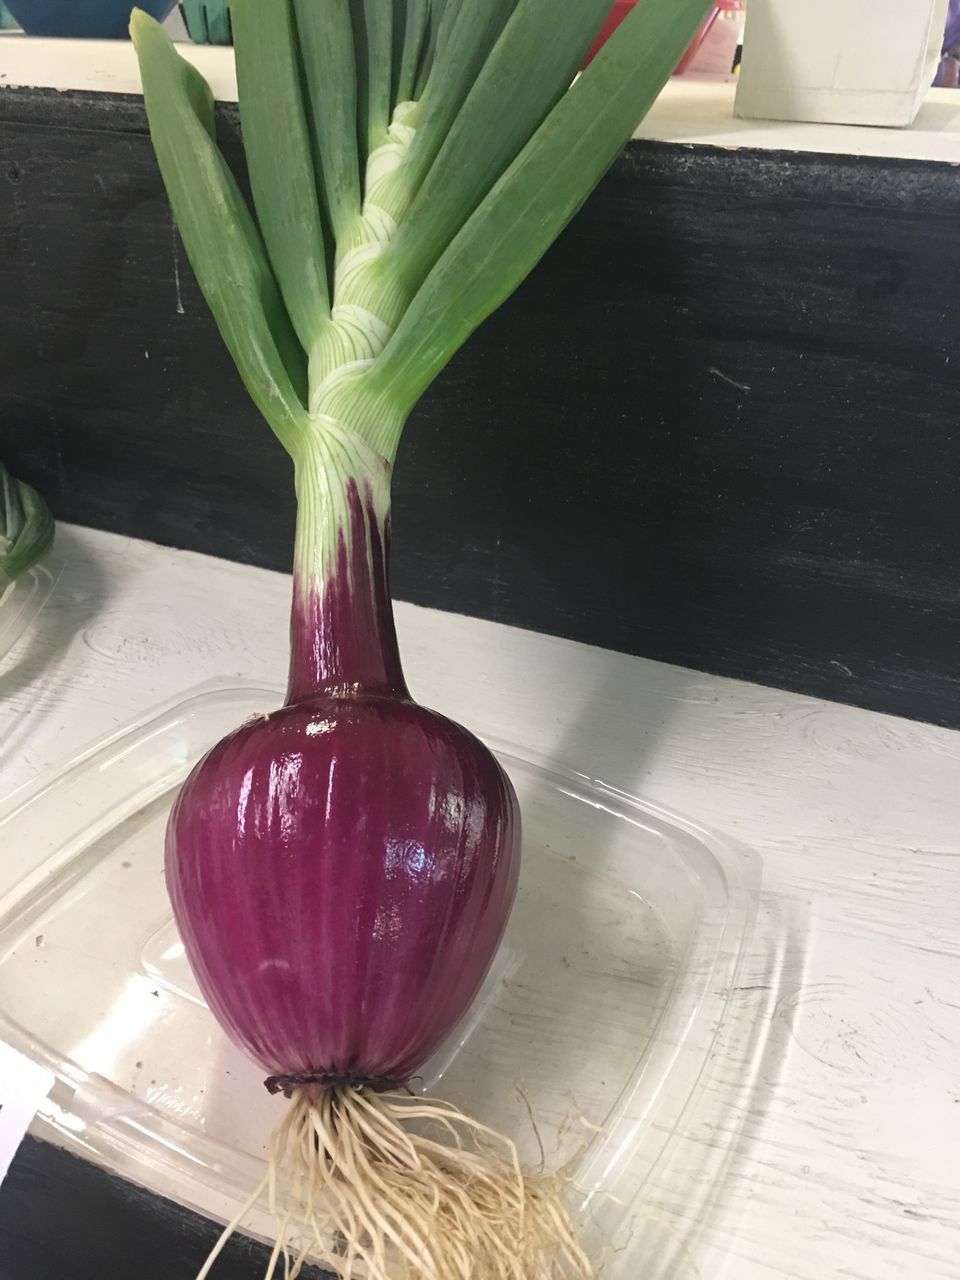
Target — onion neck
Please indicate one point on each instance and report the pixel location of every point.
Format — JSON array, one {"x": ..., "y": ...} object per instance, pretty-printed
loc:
[{"x": 343, "y": 640}]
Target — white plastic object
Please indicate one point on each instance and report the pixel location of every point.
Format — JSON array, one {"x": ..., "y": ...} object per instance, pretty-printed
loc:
[
  {"x": 866, "y": 62},
  {"x": 604, "y": 1001}
]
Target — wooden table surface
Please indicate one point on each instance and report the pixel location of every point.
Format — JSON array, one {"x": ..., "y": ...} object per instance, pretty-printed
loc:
[{"x": 826, "y": 1140}]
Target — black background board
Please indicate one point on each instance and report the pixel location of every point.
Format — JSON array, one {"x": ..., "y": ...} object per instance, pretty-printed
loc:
[
  {"x": 62, "y": 1218},
  {"x": 716, "y": 426}
]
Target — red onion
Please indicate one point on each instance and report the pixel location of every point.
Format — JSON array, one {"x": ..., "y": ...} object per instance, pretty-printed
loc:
[{"x": 342, "y": 870}]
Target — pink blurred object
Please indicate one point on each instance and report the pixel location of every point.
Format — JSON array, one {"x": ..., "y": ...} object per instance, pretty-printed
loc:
[
  {"x": 728, "y": 6},
  {"x": 622, "y": 7}
]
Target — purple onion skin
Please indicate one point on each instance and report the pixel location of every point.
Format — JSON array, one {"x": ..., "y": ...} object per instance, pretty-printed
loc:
[{"x": 342, "y": 871}]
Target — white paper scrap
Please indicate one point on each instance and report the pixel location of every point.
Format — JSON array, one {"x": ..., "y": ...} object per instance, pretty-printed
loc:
[{"x": 23, "y": 1086}]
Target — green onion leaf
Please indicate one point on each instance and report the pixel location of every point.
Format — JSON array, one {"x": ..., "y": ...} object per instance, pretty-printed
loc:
[
  {"x": 26, "y": 527},
  {"x": 409, "y": 46},
  {"x": 531, "y": 203},
  {"x": 467, "y": 33},
  {"x": 504, "y": 107},
  {"x": 279, "y": 159},
  {"x": 329, "y": 66},
  {"x": 221, "y": 238},
  {"x": 373, "y": 35},
  {"x": 429, "y": 50}
]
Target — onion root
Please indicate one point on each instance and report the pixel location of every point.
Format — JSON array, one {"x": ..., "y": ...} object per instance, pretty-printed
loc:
[{"x": 397, "y": 1187}]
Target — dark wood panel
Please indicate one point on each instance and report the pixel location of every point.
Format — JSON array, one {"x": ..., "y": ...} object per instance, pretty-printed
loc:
[
  {"x": 62, "y": 1218},
  {"x": 715, "y": 427}
]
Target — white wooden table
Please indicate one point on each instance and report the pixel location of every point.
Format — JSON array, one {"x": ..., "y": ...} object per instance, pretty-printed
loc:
[{"x": 827, "y": 1141}]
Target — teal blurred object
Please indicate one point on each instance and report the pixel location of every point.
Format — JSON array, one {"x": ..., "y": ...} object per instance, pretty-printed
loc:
[
  {"x": 207, "y": 21},
  {"x": 6, "y": 18},
  {"x": 84, "y": 19}
]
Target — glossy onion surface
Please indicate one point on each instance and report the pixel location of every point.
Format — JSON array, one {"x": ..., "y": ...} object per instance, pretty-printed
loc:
[{"x": 342, "y": 873}]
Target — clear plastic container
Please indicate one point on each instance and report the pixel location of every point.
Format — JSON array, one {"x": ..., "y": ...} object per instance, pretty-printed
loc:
[
  {"x": 603, "y": 1003},
  {"x": 23, "y": 599}
]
